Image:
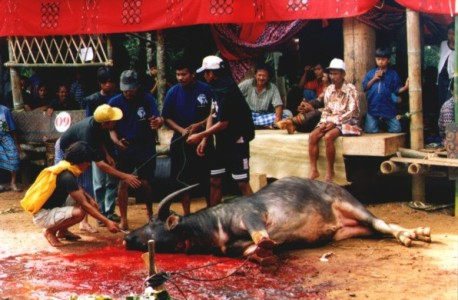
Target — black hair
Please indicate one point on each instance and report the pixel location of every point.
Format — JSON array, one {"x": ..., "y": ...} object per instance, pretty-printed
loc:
[
  {"x": 183, "y": 63},
  {"x": 383, "y": 52},
  {"x": 104, "y": 74},
  {"x": 80, "y": 152},
  {"x": 263, "y": 66}
]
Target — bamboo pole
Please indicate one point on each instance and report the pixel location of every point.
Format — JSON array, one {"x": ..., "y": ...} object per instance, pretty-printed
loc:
[{"x": 415, "y": 104}]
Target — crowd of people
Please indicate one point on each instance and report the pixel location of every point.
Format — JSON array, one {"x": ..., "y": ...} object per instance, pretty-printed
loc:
[{"x": 112, "y": 152}]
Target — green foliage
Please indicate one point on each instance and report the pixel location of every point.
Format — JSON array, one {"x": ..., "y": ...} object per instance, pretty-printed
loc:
[{"x": 431, "y": 56}]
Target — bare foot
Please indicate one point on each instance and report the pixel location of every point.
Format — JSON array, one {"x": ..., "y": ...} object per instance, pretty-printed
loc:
[
  {"x": 52, "y": 239},
  {"x": 314, "y": 174},
  {"x": 123, "y": 226},
  {"x": 329, "y": 177},
  {"x": 87, "y": 227}
]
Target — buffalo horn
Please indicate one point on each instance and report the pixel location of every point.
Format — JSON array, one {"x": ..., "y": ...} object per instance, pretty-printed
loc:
[{"x": 163, "y": 209}]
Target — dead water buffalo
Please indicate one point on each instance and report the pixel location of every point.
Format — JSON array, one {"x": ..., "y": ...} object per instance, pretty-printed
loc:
[{"x": 288, "y": 211}]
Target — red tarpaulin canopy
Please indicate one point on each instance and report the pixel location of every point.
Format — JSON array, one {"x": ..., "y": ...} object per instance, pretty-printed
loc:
[
  {"x": 40, "y": 18},
  {"x": 430, "y": 6}
]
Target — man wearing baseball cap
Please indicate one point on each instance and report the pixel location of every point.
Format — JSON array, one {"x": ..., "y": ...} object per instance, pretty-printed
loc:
[
  {"x": 95, "y": 131},
  {"x": 135, "y": 136},
  {"x": 340, "y": 107},
  {"x": 231, "y": 124}
]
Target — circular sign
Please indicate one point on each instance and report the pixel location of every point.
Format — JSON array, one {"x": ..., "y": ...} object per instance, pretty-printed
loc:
[{"x": 63, "y": 121}]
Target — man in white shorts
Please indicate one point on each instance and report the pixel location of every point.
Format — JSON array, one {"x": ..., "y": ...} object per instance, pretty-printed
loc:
[{"x": 57, "y": 202}]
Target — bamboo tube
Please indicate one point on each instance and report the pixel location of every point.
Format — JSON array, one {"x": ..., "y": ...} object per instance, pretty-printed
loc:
[
  {"x": 405, "y": 152},
  {"x": 417, "y": 169},
  {"x": 390, "y": 167}
]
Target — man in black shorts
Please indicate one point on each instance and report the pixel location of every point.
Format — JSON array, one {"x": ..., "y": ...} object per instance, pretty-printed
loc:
[{"x": 231, "y": 123}]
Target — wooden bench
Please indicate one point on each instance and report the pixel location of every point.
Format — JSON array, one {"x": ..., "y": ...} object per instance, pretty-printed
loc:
[{"x": 278, "y": 154}]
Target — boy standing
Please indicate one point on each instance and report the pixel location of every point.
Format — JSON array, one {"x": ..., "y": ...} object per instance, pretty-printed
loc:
[{"x": 383, "y": 86}]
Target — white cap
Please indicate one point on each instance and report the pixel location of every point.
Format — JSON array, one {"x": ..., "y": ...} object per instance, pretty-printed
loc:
[
  {"x": 337, "y": 64},
  {"x": 211, "y": 62}
]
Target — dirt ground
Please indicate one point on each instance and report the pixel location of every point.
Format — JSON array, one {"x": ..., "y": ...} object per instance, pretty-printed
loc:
[{"x": 356, "y": 268}]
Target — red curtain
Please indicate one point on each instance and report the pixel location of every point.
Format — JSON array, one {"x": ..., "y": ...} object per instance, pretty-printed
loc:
[{"x": 57, "y": 17}]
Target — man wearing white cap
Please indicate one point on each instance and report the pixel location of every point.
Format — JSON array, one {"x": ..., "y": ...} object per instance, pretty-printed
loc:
[
  {"x": 231, "y": 123},
  {"x": 340, "y": 108}
]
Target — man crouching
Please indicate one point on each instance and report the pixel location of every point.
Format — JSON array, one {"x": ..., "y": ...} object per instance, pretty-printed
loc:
[{"x": 57, "y": 202}]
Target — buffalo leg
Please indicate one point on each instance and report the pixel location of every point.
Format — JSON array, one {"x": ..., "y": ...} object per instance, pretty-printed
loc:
[{"x": 358, "y": 221}]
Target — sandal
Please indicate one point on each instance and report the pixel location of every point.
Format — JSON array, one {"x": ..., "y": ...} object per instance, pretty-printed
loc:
[
  {"x": 15, "y": 188},
  {"x": 67, "y": 235}
]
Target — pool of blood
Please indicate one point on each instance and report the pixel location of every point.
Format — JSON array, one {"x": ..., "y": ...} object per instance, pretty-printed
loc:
[{"x": 116, "y": 272}]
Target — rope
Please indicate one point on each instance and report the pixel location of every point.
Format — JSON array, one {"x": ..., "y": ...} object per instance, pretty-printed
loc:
[
  {"x": 161, "y": 277},
  {"x": 135, "y": 172}
]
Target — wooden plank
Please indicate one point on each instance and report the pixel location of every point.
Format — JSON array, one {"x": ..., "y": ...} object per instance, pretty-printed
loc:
[
  {"x": 278, "y": 154},
  {"x": 377, "y": 144},
  {"x": 432, "y": 161}
]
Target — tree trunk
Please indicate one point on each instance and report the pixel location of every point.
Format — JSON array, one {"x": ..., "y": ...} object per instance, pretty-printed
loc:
[{"x": 161, "y": 69}]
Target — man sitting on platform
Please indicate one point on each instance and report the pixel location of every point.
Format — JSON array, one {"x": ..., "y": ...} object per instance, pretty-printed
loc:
[
  {"x": 340, "y": 109},
  {"x": 262, "y": 95}
]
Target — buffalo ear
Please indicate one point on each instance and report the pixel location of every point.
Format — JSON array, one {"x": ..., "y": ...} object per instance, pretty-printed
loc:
[{"x": 172, "y": 221}]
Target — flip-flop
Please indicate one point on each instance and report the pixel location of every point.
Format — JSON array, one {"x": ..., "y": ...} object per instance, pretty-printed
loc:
[{"x": 68, "y": 236}]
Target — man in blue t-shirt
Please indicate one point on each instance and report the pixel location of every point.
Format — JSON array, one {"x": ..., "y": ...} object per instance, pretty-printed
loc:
[
  {"x": 105, "y": 186},
  {"x": 135, "y": 136},
  {"x": 383, "y": 87},
  {"x": 186, "y": 108}
]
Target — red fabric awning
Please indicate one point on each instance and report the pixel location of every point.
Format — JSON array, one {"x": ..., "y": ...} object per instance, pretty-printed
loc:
[
  {"x": 40, "y": 18},
  {"x": 430, "y": 6}
]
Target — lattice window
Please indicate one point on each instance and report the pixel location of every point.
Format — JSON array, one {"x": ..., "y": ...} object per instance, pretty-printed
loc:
[{"x": 55, "y": 51}]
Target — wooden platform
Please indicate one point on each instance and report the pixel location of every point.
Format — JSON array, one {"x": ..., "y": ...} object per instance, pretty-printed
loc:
[{"x": 278, "y": 154}]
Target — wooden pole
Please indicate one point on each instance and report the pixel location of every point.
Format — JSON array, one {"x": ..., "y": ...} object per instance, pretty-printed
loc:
[
  {"x": 151, "y": 254},
  {"x": 455, "y": 96},
  {"x": 18, "y": 102},
  {"x": 161, "y": 68},
  {"x": 415, "y": 101},
  {"x": 358, "y": 57}
]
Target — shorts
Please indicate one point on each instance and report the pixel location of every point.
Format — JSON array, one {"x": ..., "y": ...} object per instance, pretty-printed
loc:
[
  {"x": 47, "y": 218},
  {"x": 143, "y": 168},
  {"x": 233, "y": 158}
]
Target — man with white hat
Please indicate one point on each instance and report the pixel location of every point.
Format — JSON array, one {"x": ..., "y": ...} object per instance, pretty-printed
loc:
[
  {"x": 340, "y": 108},
  {"x": 232, "y": 126}
]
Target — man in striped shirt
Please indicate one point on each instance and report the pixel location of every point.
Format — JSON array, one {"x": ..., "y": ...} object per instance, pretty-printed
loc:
[{"x": 263, "y": 98}]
